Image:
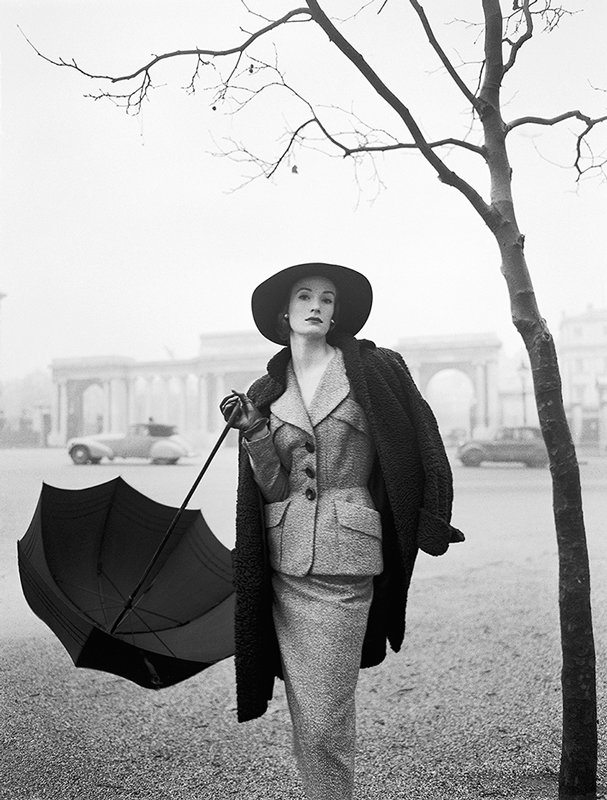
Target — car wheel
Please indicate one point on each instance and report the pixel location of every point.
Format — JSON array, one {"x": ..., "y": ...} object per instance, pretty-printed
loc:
[
  {"x": 473, "y": 458},
  {"x": 80, "y": 454}
]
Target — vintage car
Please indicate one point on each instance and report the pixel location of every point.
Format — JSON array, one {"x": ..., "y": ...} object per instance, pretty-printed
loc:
[
  {"x": 160, "y": 443},
  {"x": 523, "y": 444}
]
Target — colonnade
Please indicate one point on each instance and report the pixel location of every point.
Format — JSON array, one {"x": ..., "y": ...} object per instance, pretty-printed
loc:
[
  {"x": 118, "y": 402},
  {"x": 107, "y": 395}
]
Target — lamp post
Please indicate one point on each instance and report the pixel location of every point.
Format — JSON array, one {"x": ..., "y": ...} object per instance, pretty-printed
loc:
[{"x": 522, "y": 371}]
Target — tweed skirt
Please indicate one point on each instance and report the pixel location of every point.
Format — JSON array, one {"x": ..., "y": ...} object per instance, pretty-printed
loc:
[{"x": 320, "y": 623}]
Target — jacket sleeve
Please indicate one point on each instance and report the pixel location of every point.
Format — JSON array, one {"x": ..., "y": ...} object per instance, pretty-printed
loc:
[
  {"x": 269, "y": 473},
  {"x": 434, "y": 532}
]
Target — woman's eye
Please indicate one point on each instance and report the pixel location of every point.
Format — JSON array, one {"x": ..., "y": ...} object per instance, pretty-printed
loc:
[
  {"x": 328, "y": 300},
  {"x": 303, "y": 296}
]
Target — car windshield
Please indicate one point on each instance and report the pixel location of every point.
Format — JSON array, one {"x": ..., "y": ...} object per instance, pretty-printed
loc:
[
  {"x": 162, "y": 430},
  {"x": 152, "y": 429}
]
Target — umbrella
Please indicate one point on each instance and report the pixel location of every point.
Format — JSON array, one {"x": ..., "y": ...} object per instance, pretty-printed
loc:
[{"x": 128, "y": 585}]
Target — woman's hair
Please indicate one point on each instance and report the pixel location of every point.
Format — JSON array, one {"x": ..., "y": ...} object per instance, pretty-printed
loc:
[{"x": 283, "y": 329}]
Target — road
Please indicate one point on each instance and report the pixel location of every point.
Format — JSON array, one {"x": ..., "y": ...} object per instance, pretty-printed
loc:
[{"x": 479, "y": 678}]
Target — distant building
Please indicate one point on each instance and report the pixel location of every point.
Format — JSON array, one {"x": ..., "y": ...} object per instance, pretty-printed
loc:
[
  {"x": 582, "y": 350},
  {"x": 470, "y": 384},
  {"x": 473, "y": 355},
  {"x": 107, "y": 394}
]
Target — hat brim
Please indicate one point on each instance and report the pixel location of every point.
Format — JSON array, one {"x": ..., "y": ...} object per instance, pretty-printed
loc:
[{"x": 354, "y": 293}]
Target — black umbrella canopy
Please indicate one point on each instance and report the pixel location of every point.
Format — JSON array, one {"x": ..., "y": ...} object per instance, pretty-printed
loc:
[{"x": 84, "y": 554}]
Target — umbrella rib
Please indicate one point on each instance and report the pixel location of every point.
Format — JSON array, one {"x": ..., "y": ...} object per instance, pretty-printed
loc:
[
  {"x": 133, "y": 633},
  {"x": 62, "y": 582},
  {"x": 100, "y": 574},
  {"x": 104, "y": 607},
  {"x": 118, "y": 604}
]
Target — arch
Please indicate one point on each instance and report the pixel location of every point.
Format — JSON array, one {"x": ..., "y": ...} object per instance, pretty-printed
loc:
[
  {"x": 451, "y": 394},
  {"x": 93, "y": 408},
  {"x": 475, "y": 355}
]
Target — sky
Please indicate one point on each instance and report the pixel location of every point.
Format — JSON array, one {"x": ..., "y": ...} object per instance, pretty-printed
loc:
[{"x": 129, "y": 235}]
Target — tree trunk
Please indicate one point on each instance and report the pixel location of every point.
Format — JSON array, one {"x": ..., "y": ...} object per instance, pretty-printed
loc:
[{"x": 577, "y": 779}]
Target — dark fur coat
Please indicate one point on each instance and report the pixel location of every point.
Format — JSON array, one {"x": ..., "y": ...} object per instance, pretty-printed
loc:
[{"x": 412, "y": 489}]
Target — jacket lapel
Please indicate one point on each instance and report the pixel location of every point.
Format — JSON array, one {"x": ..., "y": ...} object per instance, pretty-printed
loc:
[
  {"x": 289, "y": 407},
  {"x": 332, "y": 389}
]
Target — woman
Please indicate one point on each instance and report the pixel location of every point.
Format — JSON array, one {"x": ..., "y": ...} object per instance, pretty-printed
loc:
[{"x": 343, "y": 476}]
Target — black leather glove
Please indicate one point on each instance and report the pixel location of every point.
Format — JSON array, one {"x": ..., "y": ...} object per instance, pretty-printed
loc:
[{"x": 249, "y": 420}]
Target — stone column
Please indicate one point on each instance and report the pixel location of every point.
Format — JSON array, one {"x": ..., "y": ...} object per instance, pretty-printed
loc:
[
  {"x": 182, "y": 395},
  {"x": 119, "y": 404},
  {"x": 480, "y": 396},
  {"x": 54, "y": 438},
  {"x": 112, "y": 411},
  {"x": 107, "y": 405},
  {"x": 165, "y": 400},
  {"x": 221, "y": 391},
  {"x": 148, "y": 401},
  {"x": 601, "y": 386},
  {"x": 132, "y": 410},
  {"x": 63, "y": 412},
  {"x": 492, "y": 394},
  {"x": 203, "y": 406}
]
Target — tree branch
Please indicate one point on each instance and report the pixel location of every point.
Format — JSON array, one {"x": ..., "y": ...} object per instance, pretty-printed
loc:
[
  {"x": 135, "y": 98},
  {"x": 531, "y": 120},
  {"x": 581, "y": 138},
  {"x": 494, "y": 63},
  {"x": 196, "y": 51},
  {"x": 516, "y": 46},
  {"x": 445, "y": 175},
  {"x": 472, "y": 99}
]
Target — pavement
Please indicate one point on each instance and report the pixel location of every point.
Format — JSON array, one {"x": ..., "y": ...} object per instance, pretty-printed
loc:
[{"x": 470, "y": 707}]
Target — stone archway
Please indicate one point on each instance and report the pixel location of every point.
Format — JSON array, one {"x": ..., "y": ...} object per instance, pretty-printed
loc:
[
  {"x": 476, "y": 355},
  {"x": 181, "y": 392},
  {"x": 79, "y": 414},
  {"x": 451, "y": 394}
]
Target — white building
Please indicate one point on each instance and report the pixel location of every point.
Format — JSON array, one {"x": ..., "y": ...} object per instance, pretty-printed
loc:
[{"x": 582, "y": 351}]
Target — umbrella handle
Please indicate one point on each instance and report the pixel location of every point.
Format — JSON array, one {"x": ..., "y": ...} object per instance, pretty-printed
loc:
[{"x": 130, "y": 603}]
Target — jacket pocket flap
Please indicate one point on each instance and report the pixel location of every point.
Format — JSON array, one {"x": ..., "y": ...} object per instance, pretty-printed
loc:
[
  {"x": 358, "y": 518},
  {"x": 274, "y": 512}
]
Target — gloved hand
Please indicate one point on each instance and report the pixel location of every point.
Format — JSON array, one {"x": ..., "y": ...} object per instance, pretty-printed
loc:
[{"x": 250, "y": 420}]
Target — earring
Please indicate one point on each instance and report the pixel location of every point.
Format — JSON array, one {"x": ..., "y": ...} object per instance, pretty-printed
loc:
[{"x": 286, "y": 316}]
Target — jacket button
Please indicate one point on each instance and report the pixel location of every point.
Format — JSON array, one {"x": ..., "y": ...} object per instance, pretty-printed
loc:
[
  {"x": 310, "y": 472},
  {"x": 310, "y": 447},
  {"x": 310, "y": 494}
]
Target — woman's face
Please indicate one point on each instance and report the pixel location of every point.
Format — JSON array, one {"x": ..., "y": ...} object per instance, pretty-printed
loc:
[{"x": 311, "y": 306}]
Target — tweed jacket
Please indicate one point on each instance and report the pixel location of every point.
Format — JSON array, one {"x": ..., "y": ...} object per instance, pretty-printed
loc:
[
  {"x": 411, "y": 486},
  {"x": 313, "y": 469}
]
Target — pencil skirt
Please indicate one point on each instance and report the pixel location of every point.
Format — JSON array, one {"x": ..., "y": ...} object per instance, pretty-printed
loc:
[{"x": 320, "y": 623}]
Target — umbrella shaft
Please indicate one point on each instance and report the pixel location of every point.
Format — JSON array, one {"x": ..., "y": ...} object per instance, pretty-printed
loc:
[{"x": 133, "y": 599}]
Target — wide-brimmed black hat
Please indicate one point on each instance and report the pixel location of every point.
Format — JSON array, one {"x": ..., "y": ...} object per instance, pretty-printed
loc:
[{"x": 354, "y": 292}]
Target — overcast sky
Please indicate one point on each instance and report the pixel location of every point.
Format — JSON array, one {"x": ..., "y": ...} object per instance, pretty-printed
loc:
[{"x": 122, "y": 234}]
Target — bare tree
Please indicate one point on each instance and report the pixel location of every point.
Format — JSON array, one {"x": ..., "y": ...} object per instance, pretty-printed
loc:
[{"x": 241, "y": 77}]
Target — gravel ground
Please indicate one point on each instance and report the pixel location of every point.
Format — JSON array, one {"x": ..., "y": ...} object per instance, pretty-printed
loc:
[{"x": 470, "y": 708}]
